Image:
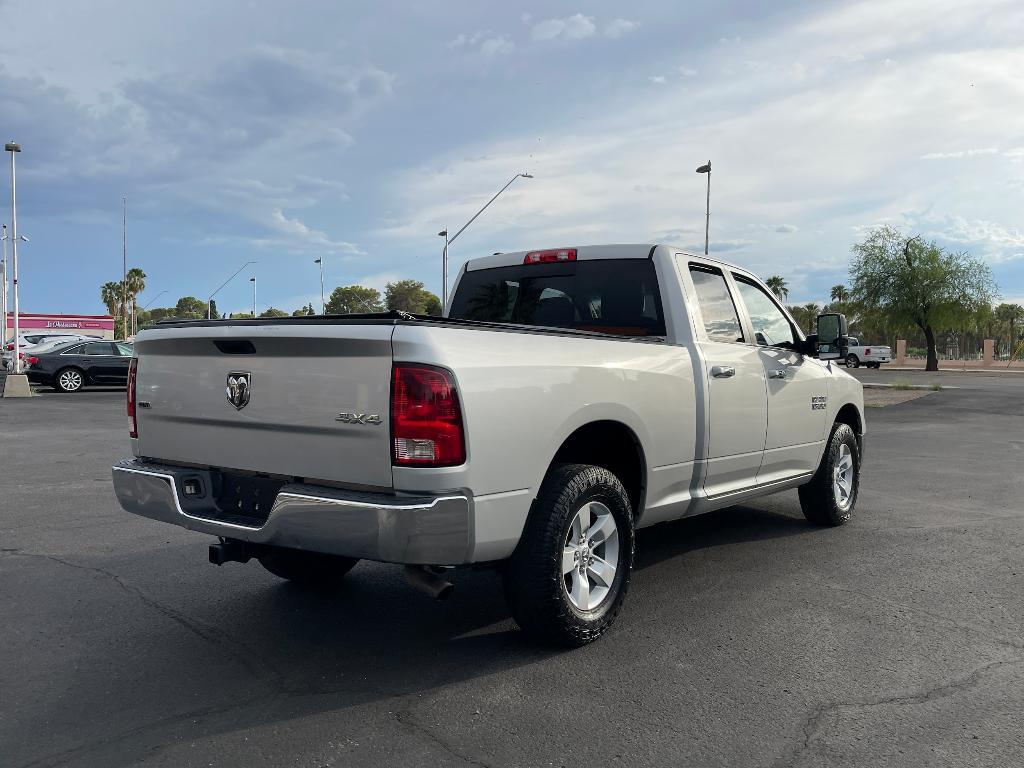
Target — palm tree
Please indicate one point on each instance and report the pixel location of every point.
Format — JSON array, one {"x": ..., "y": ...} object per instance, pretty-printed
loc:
[
  {"x": 840, "y": 293},
  {"x": 778, "y": 286},
  {"x": 136, "y": 284},
  {"x": 111, "y": 295},
  {"x": 811, "y": 312}
]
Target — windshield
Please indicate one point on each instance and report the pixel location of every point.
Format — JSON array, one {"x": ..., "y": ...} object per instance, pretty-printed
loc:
[{"x": 618, "y": 296}]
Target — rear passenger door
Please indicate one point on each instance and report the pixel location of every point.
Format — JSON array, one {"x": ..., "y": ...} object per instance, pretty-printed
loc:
[
  {"x": 797, "y": 387},
  {"x": 736, "y": 392},
  {"x": 102, "y": 361}
]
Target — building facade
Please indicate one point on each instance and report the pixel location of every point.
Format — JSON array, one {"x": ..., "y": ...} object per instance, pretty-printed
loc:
[{"x": 100, "y": 326}]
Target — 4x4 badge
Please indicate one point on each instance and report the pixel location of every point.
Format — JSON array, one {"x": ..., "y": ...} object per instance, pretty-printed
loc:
[{"x": 239, "y": 386}]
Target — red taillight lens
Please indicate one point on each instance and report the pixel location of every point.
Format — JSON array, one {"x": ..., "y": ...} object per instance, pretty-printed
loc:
[
  {"x": 133, "y": 428},
  {"x": 426, "y": 420},
  {"x": 546, "y": 257},
  {"x": 10, "y": 347},
  {"x": 32, "y": 360}
]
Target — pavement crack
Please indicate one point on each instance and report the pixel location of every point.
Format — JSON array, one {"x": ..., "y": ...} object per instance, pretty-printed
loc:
[
  {"x": 816, "y": 720},
  {"x": 405, "y": 718},
  {"x": 250, "y": 661}
]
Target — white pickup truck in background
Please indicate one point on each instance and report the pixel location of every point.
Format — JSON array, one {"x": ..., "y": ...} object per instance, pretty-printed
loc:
[
  {"x": 569, "y": 397},
  {"x": 869, "y": 356}
]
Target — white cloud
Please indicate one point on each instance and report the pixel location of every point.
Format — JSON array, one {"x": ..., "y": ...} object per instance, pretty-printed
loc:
[
  {"x": 828, "y": 129},
  {"x": 616, "y": 28},
  {"x": 658, "y": 79},
  {"x": 575, "y": 27},
  {"x": 494, "y": 46},
  {"x": 687, "y": 71},
  {"x": 959, "y": 154}
]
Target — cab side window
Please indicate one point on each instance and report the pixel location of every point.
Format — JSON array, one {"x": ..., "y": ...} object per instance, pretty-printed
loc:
[
  {"x": 771, "y": 326},
  {"x": 721, "y": 321}
]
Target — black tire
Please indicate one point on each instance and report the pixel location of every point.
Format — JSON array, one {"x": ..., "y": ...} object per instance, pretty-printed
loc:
[
  {"x": 852, "y": 361},
  {"x": 818, "y": 497},
  {"x": 535, "y": 584},
  {"x": 307, "y": 569},
  {"x": 64, "y": 380}
]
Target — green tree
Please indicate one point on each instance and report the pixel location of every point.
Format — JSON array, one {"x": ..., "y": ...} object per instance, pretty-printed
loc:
[
  {"x": 112, "y": 296},
  {"x": 136, "y": 282},
  {"x": 189, "y": 307},
  {"x": 907, "y": 280},
  {"x": 240, "y": 316},
  {"x": 1011, "y": 317},
  {"x": 273, "y": 312},
  {"x": 213, "y": 310},
  {"x": 840, "y": 293},
  {"x": 160, "y": 313},
  {"x": 778, "y": 286},
  {"x": 350, "y": 299},
  {"x": 304, "y": 311},
  {"x": 411, "y": 296}
]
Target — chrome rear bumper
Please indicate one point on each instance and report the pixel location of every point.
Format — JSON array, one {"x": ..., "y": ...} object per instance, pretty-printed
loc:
[{"x": 429, "y": 530}]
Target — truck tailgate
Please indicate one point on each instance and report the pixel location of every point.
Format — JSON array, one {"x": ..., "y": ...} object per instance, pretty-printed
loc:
[{"x": 300, "y": 378}]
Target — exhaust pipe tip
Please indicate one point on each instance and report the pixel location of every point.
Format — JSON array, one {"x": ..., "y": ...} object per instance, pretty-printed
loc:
[{"x": 429, "y": 581}]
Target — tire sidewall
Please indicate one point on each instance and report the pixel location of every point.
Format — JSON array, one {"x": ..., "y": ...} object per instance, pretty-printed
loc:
[
  {"x": 569, "y": 504},
  {"x": 841, "y": 435},
  {"x": 852, "y": 361}
]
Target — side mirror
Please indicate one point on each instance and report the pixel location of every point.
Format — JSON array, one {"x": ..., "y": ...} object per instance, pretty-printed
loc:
[{"x": 832, "y": 333}]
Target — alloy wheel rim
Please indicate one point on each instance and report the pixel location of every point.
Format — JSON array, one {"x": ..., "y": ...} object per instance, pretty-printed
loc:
[
  {"x": 590, "y": 556},
  {"x": 70, "y": 380},
  {"x": 842, "y": 478}
]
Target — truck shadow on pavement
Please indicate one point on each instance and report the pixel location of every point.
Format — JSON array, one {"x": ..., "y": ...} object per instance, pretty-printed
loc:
[{"x": 270, "y": 652}]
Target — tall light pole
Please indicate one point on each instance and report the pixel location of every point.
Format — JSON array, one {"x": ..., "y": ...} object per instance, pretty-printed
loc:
[
  {"x": 14, "y": 149},
  {"x": 323, "y": 306},
  {"x": 253, "y": 281},
  {"x": 449, "y": 240},
  {"x": 146, "y": 305},
  {"x": 444, "y": 268},
  {"x": 707, "y": 218},
  {"x": 124, "y": 262},
  {"x": 3, "y": 292},
  {"x": 209, "y": 301}
]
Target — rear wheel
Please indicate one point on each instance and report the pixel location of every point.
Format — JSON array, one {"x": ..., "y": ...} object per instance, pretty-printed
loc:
[
  {"x": 852, "y": 361},
  {"x": 308, "y": 569},
  {"x": 567, "y": 579},
  {"x": 830, "y": 496},
  {"x": 69, "y": 380}
]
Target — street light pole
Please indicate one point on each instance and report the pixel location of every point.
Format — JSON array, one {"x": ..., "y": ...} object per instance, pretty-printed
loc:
[
  {"x": 3, "y": 292},
  {"x": 444, "y": 269},
  {"x": 209, "y": 301},
  {"x": 707, "y": 217},
  {"x": 323, "y": 305},
  {"x": 14, "y": 149},
  {"x": 253, "y": 281},
  {"x": 124, "y": 263},
  {"x": 449, "y": 240}
]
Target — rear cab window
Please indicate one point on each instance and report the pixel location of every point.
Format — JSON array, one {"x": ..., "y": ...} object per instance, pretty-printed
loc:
[
  {"x": 721, "y": 320},
  {"x": 615, "y": 296}
]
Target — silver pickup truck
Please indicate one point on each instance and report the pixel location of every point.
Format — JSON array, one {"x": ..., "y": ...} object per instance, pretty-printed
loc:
[{"x": 570, "y": 397}]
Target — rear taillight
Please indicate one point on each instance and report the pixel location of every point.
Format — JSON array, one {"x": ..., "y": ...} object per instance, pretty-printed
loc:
[
  {"x": 10, "y": 347},
  {"x": 546, "y": 257},
  {"x": 32, "y": 360},
  {"x": 426, "y": 420},
  {"x": 133, "y": 428}
]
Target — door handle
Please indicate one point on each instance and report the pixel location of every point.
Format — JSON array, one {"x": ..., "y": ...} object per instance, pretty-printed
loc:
[
  {"x": 777, "y": 373},
  {"x": 723, "y": 371}
]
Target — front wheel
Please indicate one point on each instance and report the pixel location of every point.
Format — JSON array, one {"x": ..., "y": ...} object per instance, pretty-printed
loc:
[
  {"x": 567, "y": 579},
  {"x": 307, "y": 569},
  {"x": 852, "y": 361},
  {"x": 830, "y": 496},
  {"x": 69, "y": 380}
]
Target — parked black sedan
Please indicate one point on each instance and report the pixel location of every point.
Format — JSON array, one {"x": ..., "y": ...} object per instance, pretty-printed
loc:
[{"x": 70, "y": 367}]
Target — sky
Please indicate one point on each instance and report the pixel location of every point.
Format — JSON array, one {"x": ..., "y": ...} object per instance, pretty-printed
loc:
[{"x": 246, "y": 130}]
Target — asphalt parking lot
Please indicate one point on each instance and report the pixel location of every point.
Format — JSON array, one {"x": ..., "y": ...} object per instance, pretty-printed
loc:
[{"x": 749, "y": 638}]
